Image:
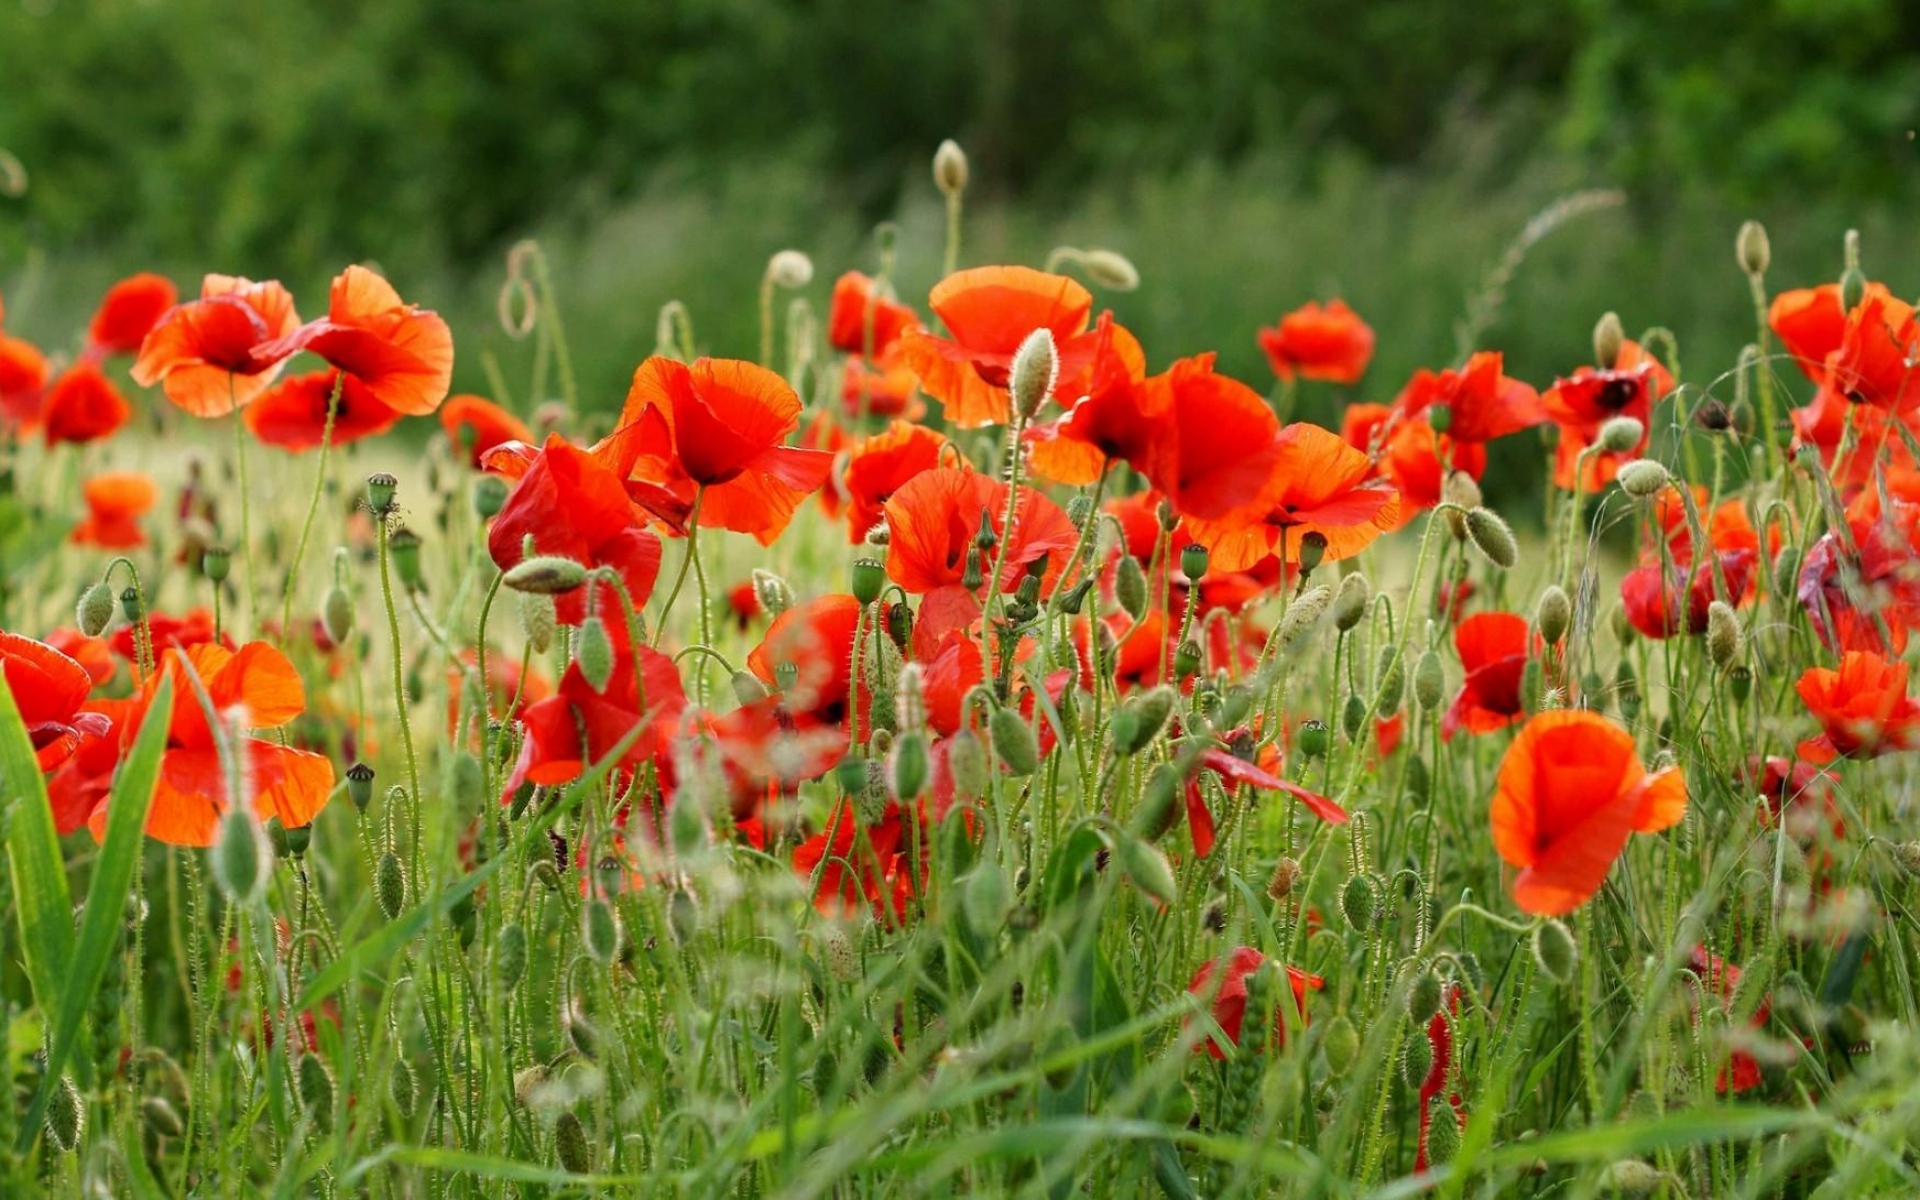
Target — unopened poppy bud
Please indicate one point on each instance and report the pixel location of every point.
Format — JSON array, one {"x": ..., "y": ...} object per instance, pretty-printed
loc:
[
  {"x": 1423, "y": 999},
  {"x": 1429, "y": 681},
  {"x": 1013, "y": 741},
  {"x": 1740, "y": 684},
  {"x": 1533, "y": 685},
  {"x": 869, "y": 580},
  {"x": 1111, "y": 270},
  {"x": 161, "y": 1116},
  {"x": 748, "y": 688},
  {"x": 975, "y": 575},
  {"x": 1361, "y": 901},
  {"x": 1146, "y": 868},
  {"x": 95, "y": 611},
  {"x": 1341, "y": 1042},
  {"x": 1419, "y": 781},
  {"x": 216, "y": 562},
  {"x": 1632, "y": 1177},
  {"x": 1463, "y": 492},
  {"x": 773, "y": 592},
  {"x": 314, "y": 1083},
  {"x": 1074, "y": 598},
  {"x": 1853, "y": 288},
  {"x": 1186, "y": 658},
  {"x": 1350, "y": 602},
  {"x": 1555, "y": 952},
  {"x": 277, "y": 838},
  {"x": 950, "y": 168},
  {"x": 1286, "y": 874},
  {"x": 790, "y": 269},
  {"x": 1443, "y": 1135},
  {"x": 1751, "y": 248},
  {"x": 510, "y": 955},
  {"x": 984, "y": 898},
  {"x": 1608, "y": 337},
  {"x": 336, "y": 615},
  {"x": 66, "y": 1116},
  {"x": 390, "y": 884},
  {"x": 968, "y": 762},
  {"x": 380, "y": 492},
  {"x": 1130, "y": 586},
  {"x": 1643, "y": 477},
  {"x": 1313, "y": 738},
  {"x": 1723, "y": 634},
  {"x": 1416, "y": 1059},
  {"x": 130, "y": 605},
  {"x": 570, "y": 1144},
  {"x": 1159, "y": 803},
  {"x": 1393, "y": 681},
  {"x": 1140, "y": 719},
  {"x": 1193, "y": 562},
  {"x": 1305, "y": 611},
  {"x": 908, "y": 766},
  {"x": 1353, "y": 714},
  {"x": 1313, "y": 548},
  {"x": 1036, "y": 368},
  {"x": 600, "y": 930},
  {"x": 1553, "y": 615},
  {"x": 545, "y": 575},
  {"x": 1491, "y": 535},
  {"x": 909, "y": 701},
  {"x": 593, "y": 653},
  {"x": 1440, "y": 417},
  {"x": 1621, "y": 435},
  {"x": 851, "y": 775},
  {"x": 1080, "y": 510},
  {"x": 537, "y": 620},
  {"x": 1907, "y": 854},
  {"x": 241, "y": 855}
]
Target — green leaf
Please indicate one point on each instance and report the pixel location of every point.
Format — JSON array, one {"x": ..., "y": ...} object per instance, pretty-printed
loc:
[
  {"x": 39, "y": 875},
  {"x": 127, "y": 808}
]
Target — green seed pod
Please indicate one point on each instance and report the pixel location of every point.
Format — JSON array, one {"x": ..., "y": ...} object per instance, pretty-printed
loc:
[
  {"x": 974, "y": 577},
  {"x": 984, "y": 538},
  {"x": 404, "y": 547},
  {"x": 1443, "y": 1135},
  {"x": 537, "y": 620},
  {"x": 600, "y": 930},
  {"x": 570, "y": 1145},
  {"x": 130, "y": 604},
  {"x": 1013, "y": 741},
  {"x": 1423, "y": 997},
  {"x": 593, "y": 653},
  {"x": 899, "y": 624},
  {"x": 277, "y": 838},
  {"x": 1751, "y": 248},
  {"x": 1159, "y": 808},
  {"x": 510, "y": 955},
  {"x": 489, "y": 496},
  {"x": 970, "y": 764},
  {"x": 390, "y": 884},
  {"x": 1313, "y": 548},
  {"x": 216, "y": 563},
  {"x": 1147, "y": 869},
  {"x": 1074, "y": 598},
  {"x": 869, "y": 579},
  {"x": 95, "y": 611},
  {"x": 1393, "y": 681},
  {"x": 1723, "y": 634},
  {"x": 908, "y": 766},
  {"x": 380, "y": 493},
  {"x": 315, "y": 1085},
  {"x": 1350, "y": 602},
  {"x": 1194, "y": 560},
  {"x": 1440, "y": 417},
  {"x": 1186, "y": 658},
  {"x": 1130, "y": 586},
  {"x": 1553, "y": 615},
  {"x": 360, "y": 786},
  {"x": 1361, "y": 902},
  {"x": 1643, "y": 477},
  {"x": 66, "y": 1116},
  {"x": 1141, "y": 719},
  {"x": 1429, "y": 681},
  {"x": 1036, "y": 368},
  {"x": 1313, "y": 738},
  {"x": 1740, "y": 684},
  {"x": 1608, "y": 337},
  {"x": 241, "y": 855},
  {"x": 1416, "y": 1058},
  {"x": 1555, "y": 952},
  {"x": 1341, "y": 1043},
  {"x": 1492, "y": 537},
  {"x": 546, "y": 575}
]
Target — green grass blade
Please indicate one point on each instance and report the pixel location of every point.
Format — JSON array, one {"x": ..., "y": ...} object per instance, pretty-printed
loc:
[
  {"x": 39, "y": 874},
  {"x": 127, "y": 808}
]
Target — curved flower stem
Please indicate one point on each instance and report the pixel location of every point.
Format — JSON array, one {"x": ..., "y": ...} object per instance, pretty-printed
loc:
[
  {"x": 680, "y": 580},
  {"x": 246, "y": 518},
  {"x": 313, "y": 507},
  {"x": 550, "y": 317},
  {"x": 383, "y": 537},
  {"x": 143, "y": 628}
]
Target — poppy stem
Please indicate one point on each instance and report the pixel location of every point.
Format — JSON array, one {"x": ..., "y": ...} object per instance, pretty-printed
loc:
[
  {"x": 384, "y": 538},
  {"x": 680, "y": 580},
  {"x": 313, "y": 507},
  {"x": 246, "y": 518}
]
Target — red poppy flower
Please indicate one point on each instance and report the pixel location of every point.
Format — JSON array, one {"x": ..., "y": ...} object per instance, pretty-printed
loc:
[
  {"x": 1867, "y": 598},
  {"x": 49, "y": 688},
  {"x": 1330, "y": 343},
  {"x": 23, "y": 376},
  {"x": 573, "y": 503},
  {"x": 862, "y": 321},
  {"x": 170, "y": 632},
  {"x": 1222, "y": 447},
  {"x": 817, "y": 639},
  {"x": 1855, "y": 441},
  {"x": 1234, "y": 771},
  {"x": 989, "y": 311},
  {"x": 881, "y": 465},
  {"x": 115, "y": 503},
  {"x": 83, "y": 406},
  {"x": 1863, "y": 353},
  {"x": 401, "y": 352},
  {"x": 92, "y": 653},
  {"x": 1662, "y": 600},
  {"x": 1571, "y": 790},
  {"x": 743, "y": 604},
  {"x": 1741, "y": 1072},
  {"x": 1318, "y": 485},
  {"x": 1117, "y": 418},
  {"x": 1493, "y": 650},
  {"x": 879, "y": 878},
  {"x": 293, "y": 413},
  {"x": 1229, "y": 1007},
  {"x": 1481, "y": 401},
  {"x": 1410, "y": 455},
  {"x": 717, "y": 430},
  {"x": 128, "y": 313},
  {"x": 886, "y": 387},
  {"x": 476, "y": 425},
  {"x": 934, "y": 518},
  {"x": 217, "y": 353},
  {"x": 1863, "y": 708},
  {"x": 1440, "y": 1041},
  {"x": 767, "y": 751},
  {"x": 1581, "y": 403},
  {"x": 579, "y": 726}
]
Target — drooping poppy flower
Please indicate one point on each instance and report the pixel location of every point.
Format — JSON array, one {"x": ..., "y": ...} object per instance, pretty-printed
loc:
[
  {"x": 402, "y": 353},
  {"x": 1571, "y": 789},
  {"x": 578, "y": 726},
  {"x": 1118, "y": 418},
  {"x": 476, "y": 425},
  {"x": 128, "y": 313},
  {"x": 1584, "y": 401},
  {"x": 881, "y": 465},
  {"x": 1863, "y": 353},
  {"x": 988, "y": 312},
  {"x": 1482, "y": 402},
  {"x": 215, "y": 354},
  {"x": 49, "y": 688},
  {"x": 861, "y": 320},
  {"x": 293, "y": 413},
  {"x": 934, "y": 519},
  {"x": 1229, "y": 1005},
  {"x": 82, "y": 406},
  {"x": 1866, "y": 597},
  {"x": 1493, "y": 649},
  {"x": 1223, "y": 441},
  {"x": 115, "y": 502},
  {"x": 1236, "y": 769},
  {"x": 1318, "y": 485},
  {"x": 1330, "y": 343},
  {"x": 1863, "y": 708},
  {"x": 23, "y": 377},
  {"x": 717, "y": 431},
  {"x": 1856, "y": 443}
]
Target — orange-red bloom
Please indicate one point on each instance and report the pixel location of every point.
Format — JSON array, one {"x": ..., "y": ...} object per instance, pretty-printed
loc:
[
  {"x": 82, "y": 406},
  {"x": 1222, "y": 446},
  {"x": 989, "y": 311},
  {"x": 23, "y": 375},
  {"x": 816, "y": 638},
  {"x": 881, "y": 465},
  {"x": 48, "y": 688},
  {"x": 862, "y": 321},
  {"x": 115, "y": 503},
  {"x": 1229, "y": 1006},
  {"x": 1660, "y": 600},
  {"x": 128, "y": 313},
  {"x": 1482, "y": 403},
  {"x": 476, "y": 425},
  {"x": 217, "y": 353},
  {"x": 1571, "y": 790},
  {"x": 1120, "y": 417},
  {"x": 1863, "y": 708},
  {"x": 1410, "y": 455},
  {"x": 578, "y": 726},
  {"x": 1318, "y": 484},
  {"x": 1493, "y": 649},
  {"x": 1330, "y": 343},
  {"x": 1863, "y": 592},
  {"x": 293, "y": 413},
  {"x": 1581, "y": 403},
  {"x": 402, "y": 353},
  {"x": 1863, "y": 353},
  {"x": 935, "y": 518}
]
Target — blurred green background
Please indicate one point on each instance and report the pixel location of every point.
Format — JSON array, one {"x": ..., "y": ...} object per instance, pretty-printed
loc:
[{"x": 1247, "y": 154}]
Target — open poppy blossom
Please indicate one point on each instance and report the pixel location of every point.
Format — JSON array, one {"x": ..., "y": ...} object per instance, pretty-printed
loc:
[
  {"x": 883, "y": 387},
  {"x": 92, "y": 653},
  {"x": 1493, "y": 649},
  {"x": 169, "y": 632},
  {"x": 881, "y": 465},
  {"x": 1856, "y": 443},
  {"x": 1663, "y": 600},
  {"x": 1863, "y": 708},
  {"x": 215, "y": 354},
  {"x": 82, "y": 406},
  {"x": 1318, "y": 485},
  {"x": 988, "y": 312},
  {"x": 578, "y": 726},
  {"x": 1481, "y": 401},
  {"x": 1571, "y": 790},
  {"x": 49, "y": 689},
  {"x": 115, "y": 503},
  {"x": 859, "y": 867},
  {"x": 1329, "y": 343},
  {"x": 128, "y": 313},
  {"x": 476, "y": 425},
  {"x": 862, "y": 321},
  {"x": 1229, "y": 1005},
  {"x": 293, "y": 413},
  {"x": 400, "y": 352},
  {"x": 714, "y": 434},
  {"x": 1866, "y": 597},
  {"x": 1410, "y": 455},
  {"x": 1862, "y": 354},
  {"x": 23, "y": 377},
  {"x": 1584, "y": 401},
  {"x": 934, "y": 519},
  {"x": 1117, "y": 418},
  {"x": 816, "y": 638},
  {"x": 1223, "y": 441}
]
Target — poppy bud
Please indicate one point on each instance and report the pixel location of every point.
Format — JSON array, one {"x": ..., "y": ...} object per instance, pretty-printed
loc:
[
  {"x": 968, "y": 762},
  {"x": 1350, "y": 602},
  {"x": 510, "y": 955},
  {"x": 1186, "y": 658},
  {"x": 130, "y": 605},
  {"x": 1393, "y": 681},
  {"x": 1416, "y": 1059},
  {"x": 336, "y": 615},
  {"x": 1714, "y": 416},
  {"x": 1013, "y": 741},
  {"x": 1423, "y": 1000},
  {"x": 1352, "y": 715},
  {"x": 241, "y": 855},
  {"x": 1632, "y": 1177},
  {"x": 1193, "y": 562},
  {"x": 1723, "y": 634},
  {"x": 1463, "y": 492},
  {"x": 975, "y": 575},
  {"x": 1554, "y": 951},
  {"x": 1443, "y": 1135},
  {"x": 1440, "y": 417},
  {"x": 593, "y": 653},
  {"x": 600, "y": 930},
  {"x": 747, "y": 688},
  {"x": 1553, "y": 615},
  {"x": 773, "y": 592},
  {"x": 1361, "y": 903},
  {"x": 1740, "y": 684},
  {"x": 161, "y": 1116},
  {"x": 216, "y": 562},
  {"x": 545, "y": 575},
  {"x": 1140, "y": 719},
  {"x": 360, "y": 786},
  {"x": 1313, "y": 738},
  {"x": 908, "y": 767},
  {"x": 984, "y": 898},
  {"x": 1286, "y": 875},
  {"x": 489, "y": 496},
  {"x": 95, "y": 611},
  {"x": 314, "y": 1082},
  {"x": 1492, "y": 537},
  {"x": 1130, "y": 586},
  {"x": 869, "y": 579},
  {"x": 570, "y": 1145},
  {"x": 380, "y": 493},
  {"x": 1313, "y": 548},
  {"x": 1751, "y": 248},
  {"x": 1074, "y": 598},
  {"x": 277, "y": 838},
  {"x": 390, "y": 884},
  {"x": 1853, "y": 281},
  {"x": 790, "y": 269},
  {"x": 950, "y": 168},
  {"x": 1341, "y": 1042},
  {"x": 1036, "y": 367},
  {"x": 404, "y": 545},
  {"x": 1607, "y": 340},
  {"x": 1079, "y": 510},
  {"x": 1159, "y": 808},
  {"x": 66, "y": 1116},
  {"x": 1305, "y": 611},
  {"x": 1146, "y": 867},
  {"x": 1786, "y": 571},
  {"x": 537, "y": 620},
  {"x": 1643, "y": 477},
  {"x": 1907, "y": 854},
  {"x": 1429, "y": 681},
  {"x": 1110, "y": 269}
]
